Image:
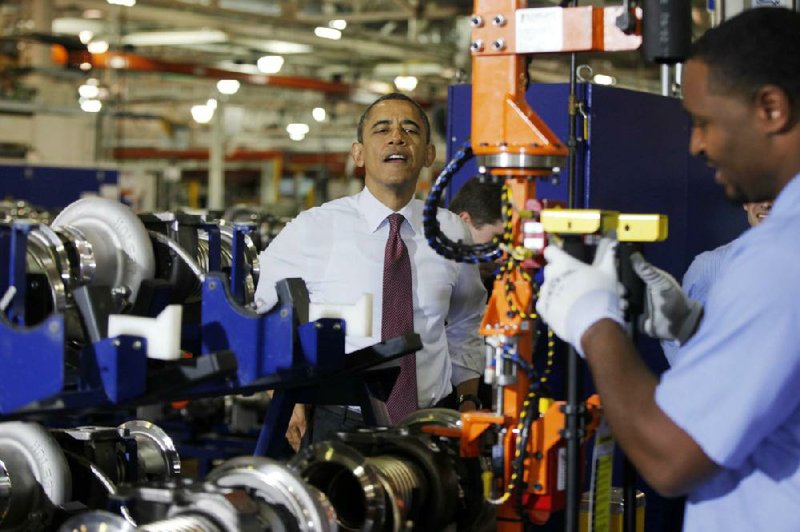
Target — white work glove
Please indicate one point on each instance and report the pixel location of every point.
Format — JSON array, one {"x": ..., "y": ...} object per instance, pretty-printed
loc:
[
  {"x": 576, "y": 295},
  {"x": 668, "y": 314}
]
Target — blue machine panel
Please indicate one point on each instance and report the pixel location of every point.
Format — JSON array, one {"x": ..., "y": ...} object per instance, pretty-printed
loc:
[{"x": 52, "y": 187}]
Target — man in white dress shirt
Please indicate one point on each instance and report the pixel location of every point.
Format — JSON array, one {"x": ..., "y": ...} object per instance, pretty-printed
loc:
[{"x": 338, "y": 250}]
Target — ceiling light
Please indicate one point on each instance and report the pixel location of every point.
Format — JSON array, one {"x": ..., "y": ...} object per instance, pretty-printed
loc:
[
  {"x": 90, "y": 106},
  {"x": 228, "y": 86},
  {"x": 85, "y": 36},
  {"x": 297, "y": 129},
  {"x": 319, "y": 114},
  {"x": 602, "y": 79},
  {"x": 270, "y": 64},
  {"x": 97, "y": 47},
  {"x": 327, "y": 33},
  {"x": 126, "y": 3},
  {"x": 174, "y": 38},
  {"x": 296, "y": 136},
  {"x": 117, "y": 61},
  {"x": 93, "y": 14},
  {"x": 405, "y": 83},
  {"x": 85, "y": 66},
  {"x": 285, "y": 47},
  {"x": 90, "y": 92},
  {"x": 211, "y": 103},
  {"x": 202, "y": 114},
  {"x": 338, "y": 24}
]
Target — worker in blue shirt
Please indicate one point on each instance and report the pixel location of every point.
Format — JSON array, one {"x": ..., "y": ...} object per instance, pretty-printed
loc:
[
  {"x": 706, "y": 268},
  {"x": 723, "y": 424}
]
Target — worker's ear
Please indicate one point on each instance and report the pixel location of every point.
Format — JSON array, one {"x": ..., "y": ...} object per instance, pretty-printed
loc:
[
  {"x": 464, "y": 215},
  {"x": 773, "y": 109},
  {"x": 430, "y": 155},
  {"x": 357, "y": 153}
]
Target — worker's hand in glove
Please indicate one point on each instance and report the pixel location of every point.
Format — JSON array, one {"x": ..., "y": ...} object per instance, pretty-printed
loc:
[
  {"x": 668, "y": 314},
  {"x": 576, "y": 295}
]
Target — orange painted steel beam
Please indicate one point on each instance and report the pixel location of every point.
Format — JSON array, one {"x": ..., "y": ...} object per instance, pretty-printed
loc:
[{"x": 138, "y": 63}]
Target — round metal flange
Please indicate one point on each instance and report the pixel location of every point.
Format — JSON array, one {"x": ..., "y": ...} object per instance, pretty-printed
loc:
[
  {"x": 552, "y": 163},
  {"x": 5, "y": 491},
  {"x": 37, "y": 475},
  {"x": 156, "y": 451},
  {"x": 46, "y": 255},
  {"x": 96, "y": 521},
  {"x": 83, "y": 264},
  {"x": 120, "y": 242},
  {"x": 352, "y": 485},
  {"x": 440, "y": 417},
  {"x": 277, "y": 484}
]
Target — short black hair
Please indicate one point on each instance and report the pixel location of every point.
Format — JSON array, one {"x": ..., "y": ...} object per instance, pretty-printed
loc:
[
  {"x": 760, "y": 46},
  {"x": 393, "y": 96},
  {"x": 483, "y": 202}
]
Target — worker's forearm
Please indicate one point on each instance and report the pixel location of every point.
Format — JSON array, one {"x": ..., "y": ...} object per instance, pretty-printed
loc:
[{"x": 666, "y": 456}]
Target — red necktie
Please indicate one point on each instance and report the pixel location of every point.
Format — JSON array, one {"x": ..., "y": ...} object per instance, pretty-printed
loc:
[{"x": 398, "y": 318}]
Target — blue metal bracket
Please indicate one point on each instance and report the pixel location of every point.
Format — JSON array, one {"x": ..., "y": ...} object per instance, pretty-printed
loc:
[
  {"x": 31, "y": 362},
  {"x": 116, "y": 365}
]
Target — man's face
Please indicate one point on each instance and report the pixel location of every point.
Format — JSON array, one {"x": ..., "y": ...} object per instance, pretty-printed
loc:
[
  {"x": 724, "y": 131},
  {"x": 757, "y": 211},
  {"x": 394, "y": 148}
]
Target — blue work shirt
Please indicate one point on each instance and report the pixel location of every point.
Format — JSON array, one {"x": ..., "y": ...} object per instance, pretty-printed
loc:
[
  {"x": 735, "y": 389},
  {"x": 702, "y": 273}
]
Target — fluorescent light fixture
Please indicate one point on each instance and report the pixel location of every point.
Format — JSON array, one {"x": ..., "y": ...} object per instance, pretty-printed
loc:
[
  {"x": 285, "y": 47},
  {"x": 90, "y": 106},
  {"x": 602, "y": 79},
  {"x": 85, "y": 36},
  {"x": 296, "y": 137},
  {"x": 211, "y": 103},
  {"x": 319, "y": 114},
  {"x": 126, "y": 3},
  {"x": 174, "y": 38},
  {"x": 297, "y": 129},
  {"x": 270, "y": 64},
  {"x": 228, "y": 86},
  {"x": 202, "y": 114},
  {"x": 97, "y": 47},
  {"x": 337, "y": 24},
  {"x": 90, "y": 92},
  {"x": 328, "y": 33},
  {"x": 117, "y": 61},
  {"x": 405, "y": 83},
  {"x": 85, "y": 66}
]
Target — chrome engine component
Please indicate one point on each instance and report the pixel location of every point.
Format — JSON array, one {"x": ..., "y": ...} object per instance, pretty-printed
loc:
[
  {"x": 37, "y": 478},
  {"x": 156, "y": 451}
]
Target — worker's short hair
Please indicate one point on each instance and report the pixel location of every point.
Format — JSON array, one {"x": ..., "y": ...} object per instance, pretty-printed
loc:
[
  {"x": 760, "y": 46},
  {"x": 483, "y": 202},
  {"x": 393, "y": 96}
]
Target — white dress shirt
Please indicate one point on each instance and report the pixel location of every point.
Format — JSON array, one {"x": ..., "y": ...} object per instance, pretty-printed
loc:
[{"x": 338, "y": 250}]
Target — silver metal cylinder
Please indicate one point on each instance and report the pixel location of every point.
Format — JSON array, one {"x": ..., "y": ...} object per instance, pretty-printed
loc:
[{"x": 183, "y": 523}]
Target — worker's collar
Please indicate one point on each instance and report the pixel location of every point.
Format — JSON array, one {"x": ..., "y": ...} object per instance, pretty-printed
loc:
[{"x": 375, "y": 212}]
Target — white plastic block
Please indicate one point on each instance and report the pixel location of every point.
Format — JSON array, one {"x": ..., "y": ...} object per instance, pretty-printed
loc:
[
  {"x": 163, "y": 333},
  {"x": 358, "y": 316}
]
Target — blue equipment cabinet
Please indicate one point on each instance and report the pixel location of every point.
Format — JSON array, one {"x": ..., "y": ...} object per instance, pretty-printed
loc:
[{"x": 52, "y": 187}]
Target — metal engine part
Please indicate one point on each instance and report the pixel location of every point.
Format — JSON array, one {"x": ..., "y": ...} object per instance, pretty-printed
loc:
[
  {"x": 394, "y": 479},
  {"x": 34, "y": 478},
  {"x": 276, "y": 484},
  {"x": 157, "y": 456}
]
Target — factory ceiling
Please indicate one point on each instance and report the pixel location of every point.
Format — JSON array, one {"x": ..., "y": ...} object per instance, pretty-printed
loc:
[{"x": 150, "y": 62}]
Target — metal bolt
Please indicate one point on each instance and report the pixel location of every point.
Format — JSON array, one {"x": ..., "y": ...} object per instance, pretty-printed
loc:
[
  {"x": 212, "y": 285},
  {"x": 337, "y": 326},
  {"x": 54, "y": 327},
  {"x": 476, "y": 21},
  {"x": 115, "y": 343},
  {"x": 137, "y": 345},
  {"x": 537, "y": 487},
  {"x": 499, "y": 44},
  {"x": 317, "y": 325},
  {"x": 476, "y": 46},
  {"x": 499, "y": 20},
  {"x": 284, "y": 313}
]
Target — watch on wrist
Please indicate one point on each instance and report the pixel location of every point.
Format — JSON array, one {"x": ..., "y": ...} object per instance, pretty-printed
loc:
[{"x": 463, "y": 398}]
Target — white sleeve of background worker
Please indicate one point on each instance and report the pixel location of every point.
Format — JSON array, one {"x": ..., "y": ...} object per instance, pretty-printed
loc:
[
  {"x": 734, "y": 388},
  {"x": 467, "y": 306}
]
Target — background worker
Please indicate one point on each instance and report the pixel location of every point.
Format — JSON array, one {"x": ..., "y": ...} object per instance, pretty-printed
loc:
[
  {"x": 722, "y": 424},
  {"x": 704, "y": 270},
  {"x": 480, "y": 206},
  {"x": 362, "y": 243}
]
